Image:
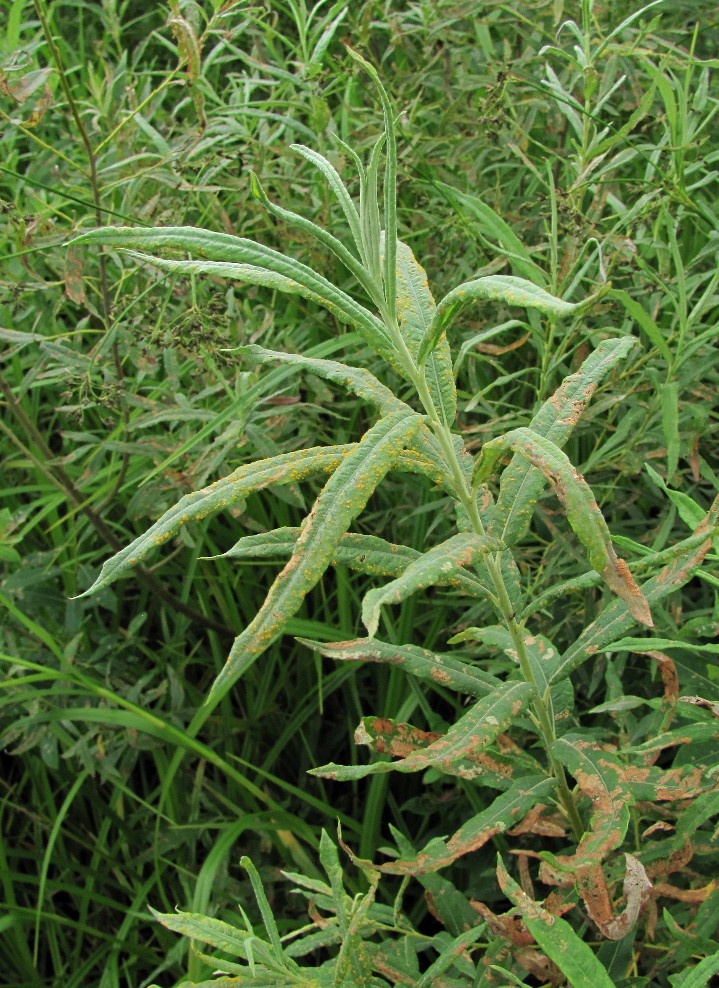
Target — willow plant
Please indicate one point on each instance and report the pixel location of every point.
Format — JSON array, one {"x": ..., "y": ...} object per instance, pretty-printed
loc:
[{"x": 408, "y": 330}]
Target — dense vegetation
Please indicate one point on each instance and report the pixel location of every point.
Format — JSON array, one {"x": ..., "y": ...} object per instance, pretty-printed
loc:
[{"x": 572, "y": 146}]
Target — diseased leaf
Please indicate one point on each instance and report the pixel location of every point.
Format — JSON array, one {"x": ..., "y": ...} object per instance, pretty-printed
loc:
[
  {"x": 542, "y": 657},
  {"x": 487, "y": 766},
  {"x": 362, "y": 553},
  {"x": 574, "y": 958},
  {"x": 521, "y": 483},
  {"x": 220, "y": 935},
  {"x": 287, "y": 468},
  {"x": 355, "y": 379},
  {"x": 450, "y": 752},
  {"x": 614, "y": 621},
  {"x": 444, "y": 901},
  {"x": 494, "y": 288},
  {"x": 504, "y": 812},
  {"x": 439, "y": 563},
  {"x": 601, "y": 776},
  {"x": 415, "y": 311},
  {"x": 341, "y": 500},
  {"x": 582, "y": 510},
  {"x": 445, "y": 670}
]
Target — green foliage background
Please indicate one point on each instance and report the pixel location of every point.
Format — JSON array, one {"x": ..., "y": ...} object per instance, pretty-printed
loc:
[{"x": 119, "y": 395}]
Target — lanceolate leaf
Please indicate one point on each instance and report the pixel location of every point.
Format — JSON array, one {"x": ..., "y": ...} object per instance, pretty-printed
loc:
[
  {"x": 362, "y": 553},
  {"x": 354, "y": 379},
  {"x": 615, "y": 621},
  {"x": 487, "y": 765},
  {"x": 521, "y": 483},
  {"x": 337, "y": 186},
  {"x": 342, "y": 499},
  {"x": 574, "y": 958},
  {"x": 488, "y": 718},
  {"x": 601, "y": 776},
  {"x": 415, "y": 311},
  {"x": 423, "y": 456},
  {"x": 288, "y": 468},
  {"x": 241, "y": 259},
  {"x": 542, "y": 656},
  {"x": 581, "y": 508},
  {"x": 439, "y": 563},
  {"x": 505, "y": 811},
  {"x": 493, "y": 288},
  {"x": 445, "y": 670}
]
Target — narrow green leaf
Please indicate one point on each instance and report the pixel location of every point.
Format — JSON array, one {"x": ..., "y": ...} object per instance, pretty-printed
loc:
[
  {"x": 521, "y": 483},
  {"x": 488, "y": 718},
  {"x": 337, "y": 186},
  {"x": 321, "y": 235},
  {"x": 237, "y": 258},
  {"x": 445, "y": 670},
  {"x": 390, "y": 186},
  {"x": 341, "y": 500},
  {"x": 415, "y": 311},
  {"x": 287, "y": 468},
  {"x": 699, "y": 976},
  {"x": 439, "y": 563},
  {"x": 493, "y": 288},
  {"x": 493, "y": 230},
  {"x": 574, "y": 958},
  {"x": 582, "y": 510},
  {"x": 644, "y": 321},
  {"x": 362, "y": 553},
  {"x": 265, "y": 909}
]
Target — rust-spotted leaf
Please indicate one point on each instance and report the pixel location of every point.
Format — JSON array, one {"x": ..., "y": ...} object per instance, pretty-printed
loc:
[
  {"x": 522, "y": 483},
  {"x": 492, "y": 288},
  {"x": 507, "y": 810},
  {"x": 362, "y": 553},
  {"x": 341, "y": 500},
  {"x": 574, "y": 958},
  {"x": 615, "y": 621},
  {"x": 488, "y": 718},
  {"x": 445, "y": 670},
  {"x": 582, "y": 510},
  {"x": 440, "y": 563},
  {"x": 288, "y": 468}
]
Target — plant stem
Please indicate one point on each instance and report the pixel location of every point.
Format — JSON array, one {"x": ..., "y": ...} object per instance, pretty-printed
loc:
[{"x": 542, "y": 703}]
